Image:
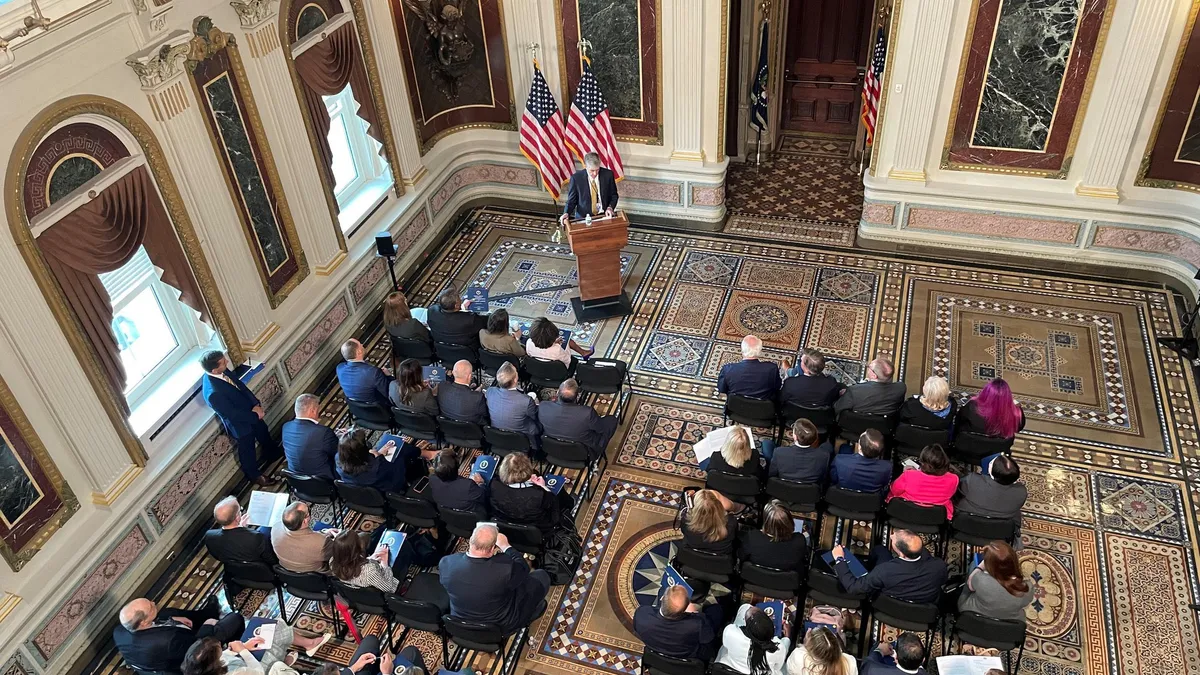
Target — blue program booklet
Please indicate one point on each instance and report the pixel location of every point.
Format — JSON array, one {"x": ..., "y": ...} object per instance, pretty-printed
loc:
[
  {"x": 396, "y": 441},
  {"x": 809, "y": 625},
  {"x": 318, "y": 526},
  {"x": 394, "y": 541},
  {"x": 263, "y": 627},
  {"x": 977, "y": 560},
  {"x": 855, "y": 565},
  {"x": 555, "y": 483},
  {"x": 477, "y": 299},
  {"x": 485, "y": 466},
  {"x": 774, "y": 609},
  {"x": 565, "y": 335},
  {"x": 433, "y": 374},
  {"x": 671, "y": 577}
]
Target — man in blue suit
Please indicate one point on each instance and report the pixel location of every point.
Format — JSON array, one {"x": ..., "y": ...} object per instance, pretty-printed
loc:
[
  {"x": 240, "y": 413},
  {"x": 750, "y": 377},
  {"x": 593, "y": 191},
  {"x": 905, "y": 658},
  {"x": 568, "y": 420},
  {"x": 360, "y": 380},
  {"x": 864, "y": 469},
  {"x": 310, "y": 447},
  {"x": 511, "y": 410}
]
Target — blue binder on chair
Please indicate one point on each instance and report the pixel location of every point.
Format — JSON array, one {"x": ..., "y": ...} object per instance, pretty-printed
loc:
[
  {"x": 672, "y": 577},
  {"x": 485, "y": 466},
  {"x": 433, "y": 374},
  {"x": 855, "y": 565}
]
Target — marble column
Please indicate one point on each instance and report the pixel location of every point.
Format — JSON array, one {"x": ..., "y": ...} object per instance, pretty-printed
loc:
[
  {"x": 1130, "y": 86},
  {"x": 684, "y": 77},
  {"x": 315, "y": 210},
  {"x": 395, "y": 90},
  {"x": 189, "y": 151},
  {"x": 522, "y": 25},
  {"x": 925, "y": 27}
]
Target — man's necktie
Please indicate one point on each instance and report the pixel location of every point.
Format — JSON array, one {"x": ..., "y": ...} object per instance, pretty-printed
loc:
[
  {"x": 230, "y": 381},
  {"x": 595, "y": 200}
]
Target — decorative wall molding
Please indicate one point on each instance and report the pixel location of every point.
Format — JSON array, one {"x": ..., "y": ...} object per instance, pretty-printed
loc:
[
  {"x": 475, "y": 174},
  {"x": 1172, "y": 159},
  {"x": 1125, "y": 237},
  {"x": 879, "y": 213},
  {"x": 992, "y": 224},
  {"x": 646, "y": 190},
  {"x": 330, "y": 321},
  {"x": 157, "y": 67},
  {"x": 252, "y": 13},
  {"x": 17, "y": 664},
  {"x": 171, "y": 498},
  {"x": 707, "y": 195},
  {"x": 367, "y": 280}
]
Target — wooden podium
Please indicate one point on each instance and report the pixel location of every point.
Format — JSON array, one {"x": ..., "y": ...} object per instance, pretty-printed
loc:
[{"x": 597, "y": 248}]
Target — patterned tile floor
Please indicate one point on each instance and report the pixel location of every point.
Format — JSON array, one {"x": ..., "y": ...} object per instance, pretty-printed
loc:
[{"x": 1110, "y": 456}]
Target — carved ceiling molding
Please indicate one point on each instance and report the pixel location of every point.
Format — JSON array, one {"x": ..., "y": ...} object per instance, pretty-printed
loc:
[
  {"x": 206, "y": 41},
  {"x": 162, "y": 65},
  {"x": 253, "y": 13}
]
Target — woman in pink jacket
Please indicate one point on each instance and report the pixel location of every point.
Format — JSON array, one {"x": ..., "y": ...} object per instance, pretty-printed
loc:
[{"x": 931, "y": 485}]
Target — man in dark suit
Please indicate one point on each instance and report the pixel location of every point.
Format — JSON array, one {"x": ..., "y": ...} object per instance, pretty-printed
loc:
[
  {"x": 864, "y": 469},
  {"x": 995, "y": 492},
  {"x": 491, "y": 582},
  {"x": 593, "y": 191},
  {"x": 449, "y": 324},
  {"x": 459, "y": 400},
  {"x": 310, "y": 447},
  {"x": 233, "y": 541},
  {"x": 240, "y": 413},
  {"x": 811, "y": 388},
  {"x": 677, "y": 627},
  {"x": 750, "y": 377},
  {"x": 904, "y": 659},
  {"x": 807, "y": 461},
  {"x": 878, "y": 395},
  {"x": 906, "y": 572},
  {"x": 152, "y": 640},
  {"x": 362, "y": 381},
  {"x": 566, "y": 419},
  {"x": 511, "y": 410}
]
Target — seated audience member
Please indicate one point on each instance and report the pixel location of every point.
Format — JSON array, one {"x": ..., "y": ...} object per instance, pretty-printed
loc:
[
  {"x": 362, "y": 465},
  {"x": 565, "y": 418},
  {"x": 399, "y": 322},
  {"x": 491, "y": 582},
  {"x": 448, "y": 490},
  {"x": 932, "y": 408},
  {"x": 905, "y": 658},
  {"x": 992, "y": 412},
  {"x": 877, "y": 395},
  {"x": 459, "y": 400},
  {"x": 933, "y": 484},
  {"x": 498, "y": 337},
  {"x": 996, "y": 588},
  {"x": 409, "y": 391},
  {"x": 777, "y": 545},
  {"x": 151, "y": 639},
  {"x": 912, "y": 573},
  {"x": 511, "y": 410},
  {"x": 232, "y": 541},
  {"x": 995, "y": 493},
  {"x": 368, "y": 660},
  {"x": 707, "y": 525},
  {"x": 750, "y": 376},
  {"x": 310, "y": 447},
  {"x": 676, "y": 627},
  {"x": 864, "y": 469},
  {"x": 518, "y": 495},
  {"x": 821, "y": 654},
  {"x": 299, "y": 548},
  {"x": 449, "y": 324},
  {"x": 806, "y": 460},
  {"x": 350, "y": 563},
  {"x": 545, "y": 342},
  {"x": 738, "y": 456},
  {"x": 749, "y": 645},
  {"x": 362, "y": 381},
  {"x": 811, "y": 387},
  {"x": 206, "y": 657}
]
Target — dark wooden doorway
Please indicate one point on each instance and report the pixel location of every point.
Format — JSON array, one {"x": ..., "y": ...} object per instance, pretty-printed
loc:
[{"x": 828, "y": 43}]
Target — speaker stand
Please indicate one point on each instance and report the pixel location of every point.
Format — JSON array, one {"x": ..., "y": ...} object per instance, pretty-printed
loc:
[{"x": 598, "y": 309}]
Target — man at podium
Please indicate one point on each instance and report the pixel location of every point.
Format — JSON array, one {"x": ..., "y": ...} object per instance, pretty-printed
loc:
[{"x": 593, "y": 191}]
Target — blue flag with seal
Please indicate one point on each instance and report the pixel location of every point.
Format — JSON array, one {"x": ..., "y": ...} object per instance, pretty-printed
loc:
[{"x": 758, "y": 93}]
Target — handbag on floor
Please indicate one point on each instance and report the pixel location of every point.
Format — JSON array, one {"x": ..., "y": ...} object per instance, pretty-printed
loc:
[{"x": 564, "y": 551}]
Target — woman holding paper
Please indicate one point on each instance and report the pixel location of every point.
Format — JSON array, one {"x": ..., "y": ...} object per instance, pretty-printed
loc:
[
  {"x": 749, "y": 645},
  {"x": 821, "y": 654},
  {"x": 205, "y": 656},
  {"x": 996, "y": 588},
  {"x": 708, "y": 525},
  {"x": 519, "y": 496},
  {"x": 738, "y": 456},
  {"x": 778, "y": 544},
  {"x": 351, "y": 564},
  {"x": 545, "y": 342},
  {"x": 932, "y": 484},
  {"x": 409, "y": 391}
]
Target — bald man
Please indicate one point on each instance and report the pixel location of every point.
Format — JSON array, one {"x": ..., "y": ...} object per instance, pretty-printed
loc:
[
  {"x": 751, "y": 376},
  {"x": 362, "y": 381},
  {"x": 491, "y": 582},
  {"x": 233, "y": 541},
  {"x": 459, "y": 400},
  {"x": 153, "y": 640},
  {"x": 877, "y": 394},
  {"x": 677, "y": 627},
  {"x": 904, "y": 571}
]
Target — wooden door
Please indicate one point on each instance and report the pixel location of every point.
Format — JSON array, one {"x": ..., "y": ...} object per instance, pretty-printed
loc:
[{"x": 828, "y": 44}]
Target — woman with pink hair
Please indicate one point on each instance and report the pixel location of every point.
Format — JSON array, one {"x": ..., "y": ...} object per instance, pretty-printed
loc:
[{"x": 993, "y": 412}]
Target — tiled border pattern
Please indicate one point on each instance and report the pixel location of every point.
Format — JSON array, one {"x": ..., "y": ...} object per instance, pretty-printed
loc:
[
  {"x": 1122, "y": 237},
  {"x": 366, "y": 280},
  {"x": 707, "y": 195},
  {"x": 171, "y": 498},
  {"x": 879, "y": 213},
  {"x": 474, "y": 174},
  {"x": 17, "y": 665},
  {"x": 331, "y": 320},
  {"x": 270, "y": 391},
  {"x": 665, "y": 192},
  {"x": 992, "y": 224}
]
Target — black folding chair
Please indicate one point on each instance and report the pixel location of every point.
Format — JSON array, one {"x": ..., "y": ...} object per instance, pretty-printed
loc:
[
  {"x": 798, "y": 498},
  {"x": 973, "y": 530},
  {"x": 741, "y": 489},
  {"x": 983, "y": 631},
  {"x": 930, "y": 520},
  {"x": 566, "y": 454},
  {"x": 370, "y": 415},
  {"x": 460, "y": 523},
  {"x": 525, "y": 538},
  {"x": 970, "y": 447},
  {"x": 852, "y": 424},
  {"x": 825, "y": 589},
  {"x": 449, "y": 354},
  {"x": 854, "y": 506},
  {"x": 408, "y": 348},
  {"x": 545, "y": 373},
  {"x": 491, "y": 361},
  {"x": 253, "y": 575},
  {"x": 501, "y": 442},
  {"x": 770, "y": 582},
  {"x": 461, "y": 434},
  {"x": 823, "y": 418},
  {"x": 312, "y": 586},
  {"x": 310, "y": 489},
  {"x": 365, "y": 500},
  {"x": 487, "y": 638},
  {"x": 421, "y": 607},
  {"x": 712, "y": 567},
  {"x": 918, "y": 617},
  {"x": 752, "y": 412},
  {"x": 605, "y": 377},
  {"x": 414, "y": 511},
  {"x": 364, "y": 600},
  {"x": 417, "y": 425},
  {"x": 660, "y": 664},
  {"x": 911, "y": 439}
]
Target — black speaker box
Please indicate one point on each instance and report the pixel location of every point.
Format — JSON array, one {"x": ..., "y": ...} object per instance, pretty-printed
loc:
[{"x": 384, "y": 245}]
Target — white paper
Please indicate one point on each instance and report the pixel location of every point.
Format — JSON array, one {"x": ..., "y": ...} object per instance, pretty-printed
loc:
[
  {"x": 968, "y": 665},
  {"x": 420, "y": 314},
  {"x": 267, "y": 633},
  {"x": 266, "y": 508},
  {"x": 714, "y": 441}
]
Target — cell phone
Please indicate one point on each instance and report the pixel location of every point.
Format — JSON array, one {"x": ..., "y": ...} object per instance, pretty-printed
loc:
[{"x": 421, "y": 484}]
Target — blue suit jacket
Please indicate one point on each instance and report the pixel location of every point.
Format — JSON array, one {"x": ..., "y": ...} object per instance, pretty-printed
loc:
[
  {"x": 460, "y": 402},
  {"x": 759, "y": 379},
  {"x": 234, "y": 404},
  {"x": 364, "y": 382},
  {"x": 855, "y": 472},
  {"x": 310, "y": 448},
  {"x": 579, "y": 193},
  {"x": 511, "y": 410},
  {"x": 875, "y": 665},
  {"x": 572, "y": 422}
]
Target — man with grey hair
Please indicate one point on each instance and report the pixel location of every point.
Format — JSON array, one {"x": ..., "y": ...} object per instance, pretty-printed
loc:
[
  {"x": 151, "y": 639},
  {"x": 362, "y": 381},
  {"x": 511, "y": 410},
  {"x": 233, "y": 541},
  {"x": 807, "y": 385},
  {"x": 750, "y": 376},
  {"x": 592, "y": 192},
  {"x": 565, "y": 418},
  {"x": 310, "y": 447},
  {"x": 491, "y": 582},
  {"x": 877, "y": 394},
  {"x": 448, "y": 322}
]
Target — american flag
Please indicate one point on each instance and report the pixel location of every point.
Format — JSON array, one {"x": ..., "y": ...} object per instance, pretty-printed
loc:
[
  {"x": 873, "y": 85},
  {"x": 542, "y": 135},
  {"x": 588, "y": 126}
]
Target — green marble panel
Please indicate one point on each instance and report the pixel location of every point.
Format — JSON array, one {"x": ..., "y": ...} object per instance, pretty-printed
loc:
[
  {"x": 70, "y": 175},
  {"x": 613, "y": 28}
]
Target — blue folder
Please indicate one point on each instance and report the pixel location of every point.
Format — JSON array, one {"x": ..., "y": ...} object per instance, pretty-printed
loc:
[
  {"x": 855, "y": 565},
  {"x": 671, "y": 577},
  {"x": 394, "y": 541},
  {"x": 774, "y": 609},
  {"x": 555, "y": 483},
  {"x": 477, "y": 299},
  {"x": 485, "y": 466},
  {"x": 433, "y": 374}
]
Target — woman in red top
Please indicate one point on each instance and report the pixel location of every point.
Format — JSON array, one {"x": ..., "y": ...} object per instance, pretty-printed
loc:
[{"x": 933, "y": 485}]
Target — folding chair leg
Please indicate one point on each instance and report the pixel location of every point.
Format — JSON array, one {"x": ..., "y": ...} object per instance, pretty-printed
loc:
[{"x": 282, "y": 605}]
